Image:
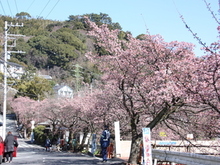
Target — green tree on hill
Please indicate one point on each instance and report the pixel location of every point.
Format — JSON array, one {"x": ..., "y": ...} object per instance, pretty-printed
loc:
[
  {"x": 23, "y": 15},
  {"x": 36, "y": 88}
]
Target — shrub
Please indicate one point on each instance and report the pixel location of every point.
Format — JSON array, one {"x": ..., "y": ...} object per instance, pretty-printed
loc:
[{"x": 39, "y": 134}]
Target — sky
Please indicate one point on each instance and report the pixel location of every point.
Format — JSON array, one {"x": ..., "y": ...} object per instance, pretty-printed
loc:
[{"x": 136, "y": 16}]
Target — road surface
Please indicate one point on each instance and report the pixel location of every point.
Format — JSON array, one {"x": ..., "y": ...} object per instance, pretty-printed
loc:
[{"x": 33, "y": 154}]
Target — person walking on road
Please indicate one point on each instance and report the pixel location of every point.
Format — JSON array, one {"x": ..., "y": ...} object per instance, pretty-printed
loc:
[
  {"x": 47, "y": 144},
  {"x": 105, "y": 141},
  {"x": 10, "y": 142}
]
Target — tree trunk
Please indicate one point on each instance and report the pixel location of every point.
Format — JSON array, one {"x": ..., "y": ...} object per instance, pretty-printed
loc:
[
  {"x": 85, "y": 133},
  {"x": 135, "y": 142},
  {"x": 53, "y": 128},
  {"x": 70, "y": 139},
  {"x": 136, "y": 138},
  {"x": 70, "y": 136},
  {"x": 25, "y": 132},
  {"x": 135, "y": 148}
]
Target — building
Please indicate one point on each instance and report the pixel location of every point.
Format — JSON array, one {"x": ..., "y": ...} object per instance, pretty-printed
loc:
[
  {"x": 47, "y": 77},
  {"x": 63, "y": 91},
  {"x": 13, "y": 70}
]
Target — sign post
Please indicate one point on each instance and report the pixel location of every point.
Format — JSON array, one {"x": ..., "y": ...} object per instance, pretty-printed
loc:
[
  {"x": 117, "y": 139},
  {"x": 147, "y": 146},
  {"x": 32, "y": 131}
]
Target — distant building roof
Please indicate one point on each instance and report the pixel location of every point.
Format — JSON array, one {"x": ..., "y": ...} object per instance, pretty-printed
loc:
[
  {"x": 46, "y": 77},
  {"x": 63, "y": 91},
  {"x": 57, "y": 87},
  {"x": 11, "y": 63}
]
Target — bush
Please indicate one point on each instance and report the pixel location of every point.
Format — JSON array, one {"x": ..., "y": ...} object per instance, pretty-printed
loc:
[{"x": 39, "y": 134}]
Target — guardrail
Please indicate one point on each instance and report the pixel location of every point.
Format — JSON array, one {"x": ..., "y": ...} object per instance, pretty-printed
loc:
[{"x": 185, "y": 158}]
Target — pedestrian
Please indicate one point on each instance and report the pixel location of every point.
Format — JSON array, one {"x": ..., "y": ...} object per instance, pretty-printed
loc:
[
  {"x": 110, "y": 150},
  {"x": 47, "y": 144},
  {"x": 105, "y": 141},
  {"x": 58, "y": 144},
  {"x": 74, "y": 144},
  {"x": 10, "y": 142},
  {"x": 1, "y": 147}
]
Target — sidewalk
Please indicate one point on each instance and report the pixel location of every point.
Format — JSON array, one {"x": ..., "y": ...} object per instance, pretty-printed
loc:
[{"x": 114, "y": 161}]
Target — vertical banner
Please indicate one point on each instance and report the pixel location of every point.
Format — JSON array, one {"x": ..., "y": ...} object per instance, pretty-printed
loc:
[
  {"x": 117, "y": 139},
  {"x": 147, "y": 146}
]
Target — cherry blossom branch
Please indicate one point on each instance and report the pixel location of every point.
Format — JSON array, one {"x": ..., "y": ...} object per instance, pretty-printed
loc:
[{"x": 210, "y": 10}]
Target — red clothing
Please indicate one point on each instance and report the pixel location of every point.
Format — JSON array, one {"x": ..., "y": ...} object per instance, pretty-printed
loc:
[{"x": 2, "y": 148}]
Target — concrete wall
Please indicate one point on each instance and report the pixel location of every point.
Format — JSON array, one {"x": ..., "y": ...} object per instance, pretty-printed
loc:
[
  {"x": 125, "y": 149},
  {"x": 185, "y": 158},
  {"x": 202, "y": 147}
]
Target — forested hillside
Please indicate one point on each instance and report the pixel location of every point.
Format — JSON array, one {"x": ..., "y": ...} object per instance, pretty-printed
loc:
[{"x": 55, "y": 47}]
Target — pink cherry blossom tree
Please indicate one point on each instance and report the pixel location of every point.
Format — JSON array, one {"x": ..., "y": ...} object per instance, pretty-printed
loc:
[
  {"x": 141, "y": 73},
  {"x": 25, "y": 110},
  {"x": 51, "y": 112},
  {"x": 202, "y": 82}
]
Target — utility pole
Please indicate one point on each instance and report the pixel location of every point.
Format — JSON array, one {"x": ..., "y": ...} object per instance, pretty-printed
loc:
[
  {"x": 77, "y": 76},
  {"x": 7, "y": 27}
]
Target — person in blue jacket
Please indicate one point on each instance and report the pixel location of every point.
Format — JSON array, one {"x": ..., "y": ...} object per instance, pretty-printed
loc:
[
  {"x": 105, "y": 141},
  {"x": 47, "y": 144}
]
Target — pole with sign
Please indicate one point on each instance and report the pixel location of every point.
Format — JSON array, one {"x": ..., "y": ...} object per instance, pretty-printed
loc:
[
  {"x": 32, "y": 131},
  {"x": 147, "y": 146}
]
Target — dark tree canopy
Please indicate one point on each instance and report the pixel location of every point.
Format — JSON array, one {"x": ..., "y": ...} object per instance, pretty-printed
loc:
[{"x": 23, "y": 15}]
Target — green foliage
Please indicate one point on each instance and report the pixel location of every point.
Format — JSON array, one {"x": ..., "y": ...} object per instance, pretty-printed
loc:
[
  {"x": 50, "y": 27},
  {"x": 99, "y": 19},
  {"x": 101, "y": 50},
  {"x": 34, "y": 27},
  {"x": 141, "y": 37},
  {"x": 122, "y": 35},
  {"x": 75, "y": 18},
  {"x": 39, "y": 134},
  {"x": 54, "y": 44},
  {"x": 34, "y": 87},
  {"x": 79, "y": 25},
  {"x": 61, "y": 55},
  {"x": 69, "y": 38},
  {"x": 115, "y": 26},
  {"x": 1, "y": 77},
  {"x": 59, "y": 49},
  {"x": 23, "y": 15},
  {"x": 22, "y": 45},
  {"x": 15, "y": 60}
]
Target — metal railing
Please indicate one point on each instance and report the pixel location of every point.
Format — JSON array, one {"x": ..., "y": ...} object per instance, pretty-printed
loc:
[{"x": 185, "y": 158}]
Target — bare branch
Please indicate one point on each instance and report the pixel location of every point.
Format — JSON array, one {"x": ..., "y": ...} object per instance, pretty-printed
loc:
[{"x": 210, "y": 10}]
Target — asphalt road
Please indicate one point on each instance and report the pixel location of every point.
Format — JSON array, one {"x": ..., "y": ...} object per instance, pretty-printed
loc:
[
  {"x": 33, "y": 154},
  {"x": 55, "y": 158}
]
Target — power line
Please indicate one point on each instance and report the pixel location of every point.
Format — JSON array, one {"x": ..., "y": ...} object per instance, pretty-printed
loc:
[
  {"x": 44, "y": 8},
  {"x": 30, "y": 5},
  {"x": 9, "y": 9},
  {"x": 147, "y": 30},
  {"x": 52, "y": 8},
  {"x": 16, "y": 6},
  {"x": 2, "y": 8}
]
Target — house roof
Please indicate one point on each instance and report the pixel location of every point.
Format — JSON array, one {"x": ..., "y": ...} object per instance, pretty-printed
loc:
[
  {"x": 11, "y": 63},
  {"x": 46, "y": 77},
  {"x": 58, "y": 87}
]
